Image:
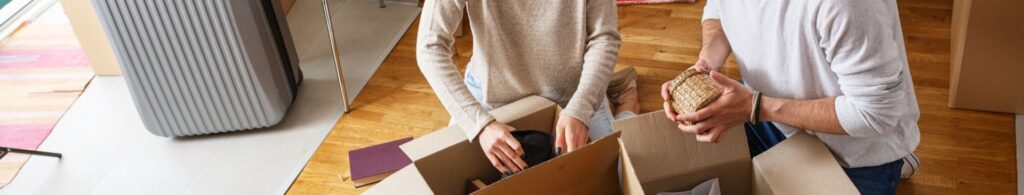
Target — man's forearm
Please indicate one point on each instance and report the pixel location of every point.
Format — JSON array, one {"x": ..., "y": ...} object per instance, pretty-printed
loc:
[
  {"x": 715, "y": 47},
  {"x": 817, "y": 115}
]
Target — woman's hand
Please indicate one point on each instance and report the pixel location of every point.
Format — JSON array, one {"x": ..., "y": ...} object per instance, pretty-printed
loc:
[
  {"x": 570, "y": 134},
  {"x": 501, "y": 148}
]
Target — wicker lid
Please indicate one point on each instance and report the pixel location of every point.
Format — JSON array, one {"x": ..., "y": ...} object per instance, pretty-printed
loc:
[{"x": 693, "y": 90}]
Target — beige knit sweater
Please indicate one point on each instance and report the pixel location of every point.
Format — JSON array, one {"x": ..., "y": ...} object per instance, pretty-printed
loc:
[{"x": 563, "y": 50}]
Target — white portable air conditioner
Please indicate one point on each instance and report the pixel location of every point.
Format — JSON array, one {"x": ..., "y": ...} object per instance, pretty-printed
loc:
[{"x": 199, "y": 66}]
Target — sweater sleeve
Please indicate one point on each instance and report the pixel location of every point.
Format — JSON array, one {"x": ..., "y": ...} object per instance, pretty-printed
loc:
[
  {"x": 710, "y": 10},
  {"x": 438, "y": 23},
  {"x": 602, "y": 52},
  {"x": 860, "y": 40}
]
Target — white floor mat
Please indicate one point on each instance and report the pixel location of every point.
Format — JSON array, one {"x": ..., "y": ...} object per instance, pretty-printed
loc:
[
  {"x": 107, "y": 150},
  {"x": 358, "y": 25}
]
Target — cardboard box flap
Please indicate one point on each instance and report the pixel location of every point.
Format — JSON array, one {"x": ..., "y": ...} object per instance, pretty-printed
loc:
[
  {"x": 666, "y": 159},
  {"x": 566, "y": 175},
  {"x": 447, "y": 171},
  {"x": 437, "y": 155},
  {"x": 630, "y": 184},
  {"x": 433, "y": 142},
  {"x": 801, "y": 164},
  {"x": 523, "y": 114},
  {"x": 404, "y": 181},
  {"x": 530, "y": 113}
]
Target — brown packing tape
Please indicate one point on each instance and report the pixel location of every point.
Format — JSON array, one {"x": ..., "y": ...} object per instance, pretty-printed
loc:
[
  {"x": 592, "y": 169},
  {"x": 666, "y": 159},
  {"x": 788, "y": 167}
]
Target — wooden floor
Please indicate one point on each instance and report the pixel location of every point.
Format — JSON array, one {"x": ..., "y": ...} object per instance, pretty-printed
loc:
[{"x": 962, "y": 152}]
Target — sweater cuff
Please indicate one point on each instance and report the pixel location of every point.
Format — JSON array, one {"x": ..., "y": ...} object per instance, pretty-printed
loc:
[
  {"x": 578, "y": 113},
  {"x": 851, "y": 120},
  {"x": 473, "y": 128}
]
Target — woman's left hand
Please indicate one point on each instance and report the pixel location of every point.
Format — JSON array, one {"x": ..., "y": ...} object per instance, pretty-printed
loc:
[{"x": 570, "y": 134}]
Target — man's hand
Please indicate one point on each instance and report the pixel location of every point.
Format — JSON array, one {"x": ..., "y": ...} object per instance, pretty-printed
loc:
[
  {"x": 731, "y": 109},
  {"x": 501, "y": 148},
  {"x": 701, "y": 65},
  {"x": 570, "y": 134},
  {"x": 666, "y": 94}
]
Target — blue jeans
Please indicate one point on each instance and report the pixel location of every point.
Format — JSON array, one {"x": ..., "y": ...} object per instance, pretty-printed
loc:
[
  {"x": 600, "y": 123},
  {"x": 881, "y": 179}
]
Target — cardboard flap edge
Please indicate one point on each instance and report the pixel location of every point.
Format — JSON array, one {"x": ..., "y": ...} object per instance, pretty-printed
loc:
[{"x": 652, "y": 139}]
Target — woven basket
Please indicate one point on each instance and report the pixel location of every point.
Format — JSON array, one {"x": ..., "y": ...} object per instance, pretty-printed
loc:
[{"x": 693, "y": 90}]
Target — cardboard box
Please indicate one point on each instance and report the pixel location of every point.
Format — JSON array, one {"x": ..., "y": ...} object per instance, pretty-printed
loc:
[
  {"x": 800, "y": 165},
  {"x": 287, "y": 5},
  {"x": 985, "y": 69},
  {"x": 657, "y": 157},
  {"x": 92, "y": 37},
  {"x": 445, "y": 161}
]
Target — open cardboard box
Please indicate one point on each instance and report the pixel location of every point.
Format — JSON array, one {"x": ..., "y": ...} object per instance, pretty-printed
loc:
[
  {"x": 445, "y": 161},
  {"x": 656, "y": 157}
]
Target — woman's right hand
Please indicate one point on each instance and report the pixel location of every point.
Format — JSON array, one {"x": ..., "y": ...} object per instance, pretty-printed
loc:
[{"x": 501, "y": 148}]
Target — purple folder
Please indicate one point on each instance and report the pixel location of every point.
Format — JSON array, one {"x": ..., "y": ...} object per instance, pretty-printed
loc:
[{"x": 372, "y": 164}]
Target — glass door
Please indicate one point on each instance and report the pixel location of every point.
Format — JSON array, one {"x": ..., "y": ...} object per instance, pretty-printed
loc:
[{"x": 14, "y": 13}]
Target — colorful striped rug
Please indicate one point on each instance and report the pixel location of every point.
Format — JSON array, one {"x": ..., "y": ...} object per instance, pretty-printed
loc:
[
  {"x": 42, "y": 71},
  {"x": 635, "y": 2}
]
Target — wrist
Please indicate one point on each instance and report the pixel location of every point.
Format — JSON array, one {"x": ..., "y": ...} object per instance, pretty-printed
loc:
[
  {"x": 713, "y": 57},
  {"x": 710, "y": 63},
  {"x": 494, "y": 125},
  {"x": 571, "y": 116},
  {"x": 769, "y": 107},
  {"x": 489, "y": 125}
]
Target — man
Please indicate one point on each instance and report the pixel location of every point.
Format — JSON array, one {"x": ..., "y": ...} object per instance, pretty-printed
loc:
[
  {"x": 836, "y": 69},
  {"x": 562, "y": 50}
]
